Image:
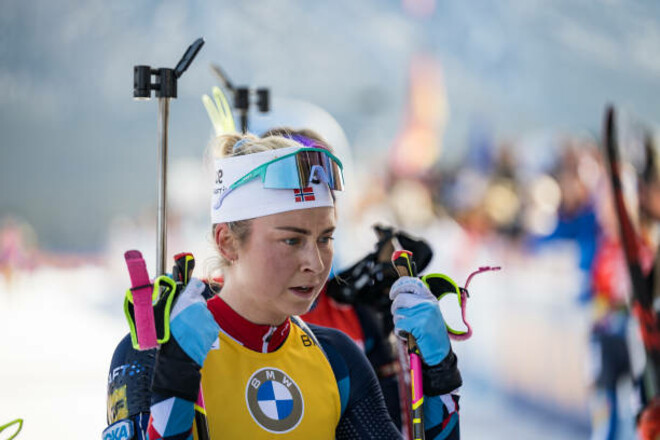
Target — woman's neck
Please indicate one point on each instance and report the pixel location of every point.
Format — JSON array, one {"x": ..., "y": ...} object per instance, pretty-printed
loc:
[
  {"x": 263, "y": 338},
  {"x": 242, "y": 304}
]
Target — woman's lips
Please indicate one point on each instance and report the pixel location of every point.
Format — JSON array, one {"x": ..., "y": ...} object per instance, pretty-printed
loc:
[{"x": 303, "y": 291}]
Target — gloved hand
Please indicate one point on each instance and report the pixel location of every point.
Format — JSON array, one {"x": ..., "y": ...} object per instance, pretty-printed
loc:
[
  {"x": 194, "y": 331},
  {"x": 416, "y": 311},
  {"x": 191, "y": 323}
]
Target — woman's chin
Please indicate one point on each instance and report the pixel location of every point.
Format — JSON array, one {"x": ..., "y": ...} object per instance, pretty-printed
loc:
[{"x": 303, "y": 304}]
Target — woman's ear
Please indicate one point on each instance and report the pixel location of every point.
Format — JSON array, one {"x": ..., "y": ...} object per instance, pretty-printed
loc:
[{"x": 226, "y": 242}]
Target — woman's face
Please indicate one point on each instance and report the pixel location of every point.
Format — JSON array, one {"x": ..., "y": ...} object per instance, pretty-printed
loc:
[{"x": 282, "y": 266}]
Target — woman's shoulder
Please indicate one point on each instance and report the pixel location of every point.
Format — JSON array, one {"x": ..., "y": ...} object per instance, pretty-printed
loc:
[
  {"x": 337, "y": 345},
  {"x": 332, "y": 336}
]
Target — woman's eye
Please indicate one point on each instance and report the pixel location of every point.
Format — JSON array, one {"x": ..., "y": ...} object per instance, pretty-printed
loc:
[
  {"x": 327, "y": 239},
  {"x": 291, "y": 241}
]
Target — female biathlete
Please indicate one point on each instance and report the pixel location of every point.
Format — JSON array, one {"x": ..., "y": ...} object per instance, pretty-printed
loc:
[{"x": 265, "y": 373}]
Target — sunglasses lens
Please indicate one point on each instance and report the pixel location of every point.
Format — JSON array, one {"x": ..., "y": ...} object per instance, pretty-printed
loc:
[
  {"x": 303, "y": 168},
  {"x": 317, "y": 165},
  {"x": 282, "y": 174}
]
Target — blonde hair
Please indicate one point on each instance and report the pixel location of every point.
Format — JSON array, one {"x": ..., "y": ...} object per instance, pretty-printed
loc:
[{"x": 229, "y": 145}]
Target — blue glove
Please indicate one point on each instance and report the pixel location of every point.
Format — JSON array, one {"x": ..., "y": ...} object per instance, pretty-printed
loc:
[
  {"x": 192, "y": 324},
  {"x": 416, "y": 311}
]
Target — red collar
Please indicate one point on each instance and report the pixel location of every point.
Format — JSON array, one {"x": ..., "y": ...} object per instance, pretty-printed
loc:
[{"x": 257, "y": 337}]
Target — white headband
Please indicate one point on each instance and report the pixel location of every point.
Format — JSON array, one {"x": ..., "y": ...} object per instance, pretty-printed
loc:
[{"x": 251, "y": 200}]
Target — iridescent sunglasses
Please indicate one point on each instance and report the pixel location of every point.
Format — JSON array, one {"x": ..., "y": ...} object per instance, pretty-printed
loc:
[{"x": 298, "y": 169}]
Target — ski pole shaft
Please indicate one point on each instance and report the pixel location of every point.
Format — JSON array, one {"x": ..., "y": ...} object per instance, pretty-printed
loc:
[
  {"x": 201, "y": 422},
  {"x": 161, "y": 241},
  {"x": 166, "y": 88},
  {"x": 405, "y": 266}
]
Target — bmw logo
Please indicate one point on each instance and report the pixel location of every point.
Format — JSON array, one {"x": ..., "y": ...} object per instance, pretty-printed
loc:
[{"x": 274, "y": 400}]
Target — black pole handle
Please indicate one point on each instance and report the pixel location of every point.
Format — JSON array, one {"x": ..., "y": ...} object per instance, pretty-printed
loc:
[{"x": 188, "y": 57}]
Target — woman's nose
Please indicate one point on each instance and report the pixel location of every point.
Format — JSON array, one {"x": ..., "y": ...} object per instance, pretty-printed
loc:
[{"x": 313, "y": 260}]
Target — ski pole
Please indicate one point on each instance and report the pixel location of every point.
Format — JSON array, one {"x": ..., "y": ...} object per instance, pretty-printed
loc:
[
  {"x": 165, "y": 86},
  {"x": 166, "y": 89},
  {"x": 405, "y": 266}
]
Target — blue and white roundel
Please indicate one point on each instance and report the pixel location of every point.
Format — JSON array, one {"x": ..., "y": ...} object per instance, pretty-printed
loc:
[{"x": 274, "y": 400}]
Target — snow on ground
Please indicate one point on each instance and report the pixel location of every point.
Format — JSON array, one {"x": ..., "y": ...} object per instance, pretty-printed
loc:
[{"x": 57, "y": 334}]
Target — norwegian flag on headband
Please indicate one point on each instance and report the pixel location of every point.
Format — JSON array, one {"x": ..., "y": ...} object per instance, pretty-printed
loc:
[{"x": 304, "y": 194}]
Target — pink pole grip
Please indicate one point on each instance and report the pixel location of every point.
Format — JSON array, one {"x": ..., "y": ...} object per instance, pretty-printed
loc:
[
  {"x": 143, "y": 308},
  {"x": 416, "y": 370}
]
